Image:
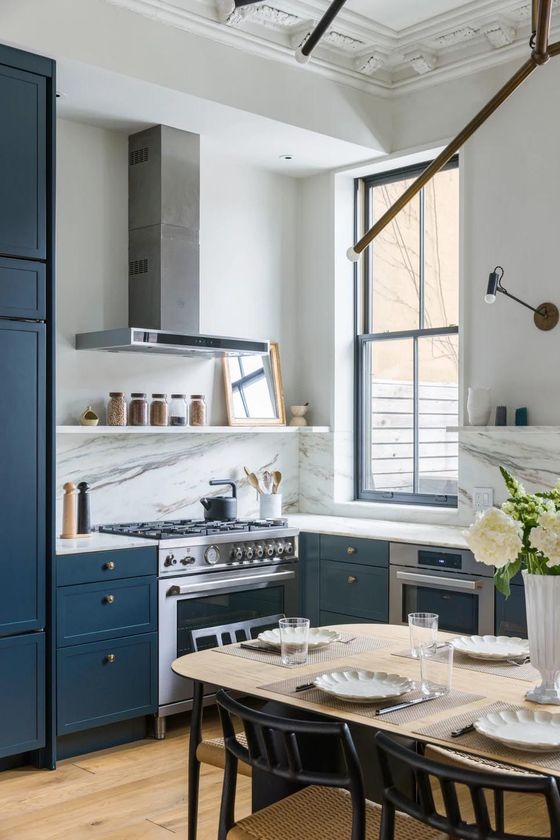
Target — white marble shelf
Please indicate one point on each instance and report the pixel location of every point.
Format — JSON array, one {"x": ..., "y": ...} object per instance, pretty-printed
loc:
[
  {"x": 500, "y": 430},
  {"x": 189, "y": 430}
]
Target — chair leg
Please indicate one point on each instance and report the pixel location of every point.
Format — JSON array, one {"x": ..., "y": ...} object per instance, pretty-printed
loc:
[
  {"x": 499, "y": 811},
  {"x": 193, "y": 763},
  {"x": 387, "y": 827}
]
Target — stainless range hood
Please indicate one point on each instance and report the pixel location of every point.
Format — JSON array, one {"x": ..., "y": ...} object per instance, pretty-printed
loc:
[{"x": 163, "y": 254}]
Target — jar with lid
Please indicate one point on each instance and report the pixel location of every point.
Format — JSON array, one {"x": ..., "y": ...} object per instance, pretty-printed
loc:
[
  {"x": 159, "y": 410},
  {"x": 116, "y": 409},
  {"x": 178, "y": 410},
  {"x": 198, "y": 410},
  {"x": 138, "y": 410}
]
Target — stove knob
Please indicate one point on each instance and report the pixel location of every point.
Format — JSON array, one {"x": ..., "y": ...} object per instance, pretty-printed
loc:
[
  {"x": 188, "y": 561},
  {"x": 259, "y": 550},
  {"x": 170, "y": 560},
  {"x": 269, "y": 549},
  {"x": 249, "y": 552},
  {"x": 236, "y": 552},
  {"x": 280, "y": 548},
  {"x": 212, "y": 555},
  {"x": 288, "y": 547}
]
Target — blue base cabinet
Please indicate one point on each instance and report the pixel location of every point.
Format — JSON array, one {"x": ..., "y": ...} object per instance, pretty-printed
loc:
[
  {"x": 511, "y": 618},
  {"x": 107, "y": 652},
  {"x": 344, "y": 580},
  {"x": 22, "y": 703}
]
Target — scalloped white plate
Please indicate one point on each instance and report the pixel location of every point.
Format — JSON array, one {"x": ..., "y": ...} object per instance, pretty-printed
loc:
[
  {"x": 318, "y": 638},
  {"x": 522, "y": 729},
  {"x": 363, "y": 686},
  {"x": 492, "y": 647}
]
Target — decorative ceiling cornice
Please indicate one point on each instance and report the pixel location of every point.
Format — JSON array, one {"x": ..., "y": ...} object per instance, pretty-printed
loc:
[{"x": 357, "y": 50}]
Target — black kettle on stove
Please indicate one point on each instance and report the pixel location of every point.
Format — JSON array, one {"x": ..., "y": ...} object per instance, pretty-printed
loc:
[{"x": 220, "y": 508}]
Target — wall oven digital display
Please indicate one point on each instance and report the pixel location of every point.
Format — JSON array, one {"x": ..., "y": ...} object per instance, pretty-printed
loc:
[{"x": 437, "y": 560}]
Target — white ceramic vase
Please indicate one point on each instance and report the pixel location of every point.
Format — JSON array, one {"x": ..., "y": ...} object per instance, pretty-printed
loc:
[
  {"x": 542, "y": 599},
  {"x": 479, "y": 406}
]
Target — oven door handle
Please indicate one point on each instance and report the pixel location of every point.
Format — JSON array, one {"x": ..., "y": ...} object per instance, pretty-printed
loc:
[
  {"x": 440, "y": 582},
  {"x": 214, "y": 586}
]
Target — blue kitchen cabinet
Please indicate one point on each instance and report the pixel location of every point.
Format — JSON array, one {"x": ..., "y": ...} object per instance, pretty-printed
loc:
[
  {"x": 22, "y": 706},
  {"x": 511, "y": 619},
  {"x": 22, "y": 289},
  {"x": 23, "y": 470},
  {"x": 23, "y": 160},
  {"x": 344, "y": 580},
  {"x": 106, "y": 646}
]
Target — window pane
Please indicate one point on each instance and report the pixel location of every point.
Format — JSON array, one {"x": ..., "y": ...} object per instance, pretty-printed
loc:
[
  {"x": 394, "y": 265},
  {"x": 389, "y": 459},
  {"x": 441, "y": 250},
  {"x": 438, "y": 404}
]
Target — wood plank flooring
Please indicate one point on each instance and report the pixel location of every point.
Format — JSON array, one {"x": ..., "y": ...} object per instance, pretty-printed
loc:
[{"x": 138, "y": 792}]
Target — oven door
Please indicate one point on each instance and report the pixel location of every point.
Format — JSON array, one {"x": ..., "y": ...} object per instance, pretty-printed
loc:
[
  {"x": 464, "y": 603},
  {"x": 207, "y": 600}
]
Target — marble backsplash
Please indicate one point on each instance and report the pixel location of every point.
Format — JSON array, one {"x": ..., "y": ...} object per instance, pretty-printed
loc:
[{"x": 143, "y": 477}]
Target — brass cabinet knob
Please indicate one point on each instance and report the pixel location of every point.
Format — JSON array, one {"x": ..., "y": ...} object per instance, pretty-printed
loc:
[
  {"x": 110, "y": 657},
  {"x": 109, "y": 565},
  {"x": 109, "y": 599},
  {"x": 351, "y": 579},
  {"x": 351, "y": 550}
]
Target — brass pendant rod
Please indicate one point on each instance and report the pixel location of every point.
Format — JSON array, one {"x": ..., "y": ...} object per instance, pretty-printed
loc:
[
  {"x": 534, "y": 15},
  {"x": 444, "y": 156},
  {"x": 322, "y": 27},
  {"x": 540, "y": 53},
  {"x": 554, "y": 49}
]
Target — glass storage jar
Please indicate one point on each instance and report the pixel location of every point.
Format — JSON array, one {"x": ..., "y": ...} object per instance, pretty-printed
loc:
[
  {"x": 138, "y": 410},
  {"x": 116, "y": 409},
  {"x": 178, "y": 410},
  {"x": 159, "y": 410},
  {"x": 198, "y": 410}
]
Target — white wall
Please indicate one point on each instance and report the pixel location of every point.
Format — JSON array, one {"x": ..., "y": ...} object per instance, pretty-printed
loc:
[{"x": 247, "y": 269}]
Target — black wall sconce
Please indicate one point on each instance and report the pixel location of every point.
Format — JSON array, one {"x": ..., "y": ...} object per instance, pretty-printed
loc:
[{"x": 545, "y": 316}]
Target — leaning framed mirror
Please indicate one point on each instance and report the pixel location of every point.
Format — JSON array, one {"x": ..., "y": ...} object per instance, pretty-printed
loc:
[{"x": 254, "y": 390}]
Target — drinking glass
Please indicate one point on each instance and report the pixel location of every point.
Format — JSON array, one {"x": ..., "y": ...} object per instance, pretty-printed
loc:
[
  {"x": 423, "y": 628},
  {"x": 436, "y": 668},
  {"x": 294, "y": 638}
]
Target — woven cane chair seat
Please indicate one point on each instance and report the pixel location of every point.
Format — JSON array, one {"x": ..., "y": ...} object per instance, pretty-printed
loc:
[{"x": 212, "y": 751}]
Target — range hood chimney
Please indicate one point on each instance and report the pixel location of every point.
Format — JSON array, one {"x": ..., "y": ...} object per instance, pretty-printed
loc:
[{"x": 163, "y": 254}]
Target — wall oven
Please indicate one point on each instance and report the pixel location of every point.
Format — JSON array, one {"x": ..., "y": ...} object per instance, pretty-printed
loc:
[{"x": 445, "y": 581}]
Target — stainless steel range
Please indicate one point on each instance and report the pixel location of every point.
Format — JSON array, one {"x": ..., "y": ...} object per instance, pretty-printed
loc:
[{"x": 214, "y": 573}]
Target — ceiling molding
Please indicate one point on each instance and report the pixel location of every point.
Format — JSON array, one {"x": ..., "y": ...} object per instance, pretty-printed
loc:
[{"x": 359, "y": 51}]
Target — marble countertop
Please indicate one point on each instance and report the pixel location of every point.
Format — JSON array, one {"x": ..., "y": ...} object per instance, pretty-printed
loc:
[
  {"x": 446, "y": 536},
  {"x": 100, "y": 542}
]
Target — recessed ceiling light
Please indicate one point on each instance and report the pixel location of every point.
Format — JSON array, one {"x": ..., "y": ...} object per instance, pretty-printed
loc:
[{"x": 286, "y": 157}]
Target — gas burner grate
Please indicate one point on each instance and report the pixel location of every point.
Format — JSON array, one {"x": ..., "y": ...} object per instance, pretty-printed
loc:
[{"x": 165, "y": 530}]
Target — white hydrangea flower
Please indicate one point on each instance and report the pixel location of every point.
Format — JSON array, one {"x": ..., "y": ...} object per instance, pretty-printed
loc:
[
  {"x": 546, "y": 537},
  {"x": 495, "y": 538}
]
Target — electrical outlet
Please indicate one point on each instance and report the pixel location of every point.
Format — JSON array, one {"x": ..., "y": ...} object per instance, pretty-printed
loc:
[{"x": 482, "y": 499}]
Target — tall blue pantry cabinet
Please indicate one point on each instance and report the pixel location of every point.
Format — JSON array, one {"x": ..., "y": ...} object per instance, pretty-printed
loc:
[{"x": 27, "y": 149}]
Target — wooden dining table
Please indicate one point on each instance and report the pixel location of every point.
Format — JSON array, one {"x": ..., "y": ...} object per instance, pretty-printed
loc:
[{"x": 251, "y": 677}]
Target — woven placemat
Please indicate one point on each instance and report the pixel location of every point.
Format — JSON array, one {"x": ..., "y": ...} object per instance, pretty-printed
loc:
[
  {"x": 526, "y": 673},
  {"x": 475, "y": 741},
  {"x": 368, "y": 710},
  {"x": 336, "y": 650}
]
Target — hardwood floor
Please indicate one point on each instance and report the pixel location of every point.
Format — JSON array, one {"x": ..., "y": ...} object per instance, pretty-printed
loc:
[{"x": 138, "y": 792}]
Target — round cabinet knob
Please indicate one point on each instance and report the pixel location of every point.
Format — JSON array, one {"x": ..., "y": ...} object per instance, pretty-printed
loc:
[
  {"x": 351, "y": 579},
  {"x": 236, "y": 552},
  {"x": 351, "y": 550},
  {"x": 212, "y": 555},
  {"x": 109, "y": 565},
  {"x": 110, "y": 657},
  {"x": 169, "y": 560},
  {"x": 109, "y": 599},
  {"x": 249, "y": 552}
]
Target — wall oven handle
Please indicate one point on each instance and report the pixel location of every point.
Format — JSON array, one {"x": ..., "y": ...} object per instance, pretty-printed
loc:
[
  {"x": 213, "y": 586},
  {"x": 441, "y": 582}
]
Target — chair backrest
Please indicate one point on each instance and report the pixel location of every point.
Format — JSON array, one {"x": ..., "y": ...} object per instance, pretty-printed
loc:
[
  {"x": 276, "y": 745},
  {"x": 227, "y": 634},
  {"x": 450, "y": 820}
]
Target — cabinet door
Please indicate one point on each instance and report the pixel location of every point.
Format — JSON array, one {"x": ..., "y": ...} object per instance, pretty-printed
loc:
[
  {"x": 22, "y": 472},
  {"x": 511, "y": 618},
  {"x": 309, "y": 576},
  {"x": 352, "y": 589},
  {"x": 22, "y": 699},
  {"x": 23, "y": 143},
  {"x": 22, "y": 289}
]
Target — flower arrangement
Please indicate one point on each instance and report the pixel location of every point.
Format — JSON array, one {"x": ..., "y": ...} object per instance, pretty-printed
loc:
[{"x": 523, "y": 534}]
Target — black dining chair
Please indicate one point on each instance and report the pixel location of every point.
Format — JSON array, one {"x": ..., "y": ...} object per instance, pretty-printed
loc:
[
  {"x": 331, "y": 805},
  {"x": 450, "y": 818},
  {"x": 211, "y": 750}
]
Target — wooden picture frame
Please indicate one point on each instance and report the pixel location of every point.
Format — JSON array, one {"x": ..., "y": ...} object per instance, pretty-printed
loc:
[{"x": 277, "y": 388}]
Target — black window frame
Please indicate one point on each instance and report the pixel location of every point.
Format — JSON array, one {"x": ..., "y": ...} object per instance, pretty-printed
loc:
[{"x": 364, "y": 338}]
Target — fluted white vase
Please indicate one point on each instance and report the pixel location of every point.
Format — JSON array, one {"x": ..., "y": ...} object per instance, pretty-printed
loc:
[
  {"x": 542, "y": 599},
  {"x": 479, "y": 406}
]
